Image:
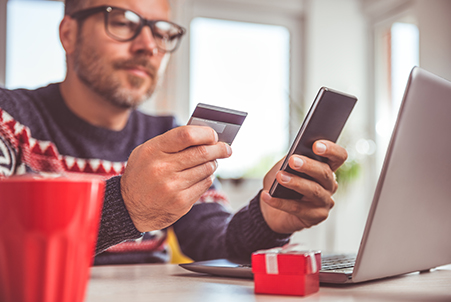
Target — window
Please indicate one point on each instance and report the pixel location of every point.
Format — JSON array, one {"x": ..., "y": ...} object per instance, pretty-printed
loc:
[
  {"x": 404, "y": 56},
  {"x": 398, "y": 47},
  {"x": 244, "y": 66},
  {"x": 34, "y": 55}
]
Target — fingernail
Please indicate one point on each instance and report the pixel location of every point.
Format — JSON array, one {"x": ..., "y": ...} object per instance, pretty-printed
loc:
[
  {"x": 285, "y": 178},
  {"x": 214, "y": 165},
  {"x": 216, "y": 136},
  {"x": 320, "y": 148},
  {"x": 297, "y": 162},
  {"x": 229, "y": 149},
  {"x": 265, "y": 196}
]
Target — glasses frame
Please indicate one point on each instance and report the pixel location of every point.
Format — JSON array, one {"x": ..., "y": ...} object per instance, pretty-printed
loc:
[{"x": 106, "y": 9}]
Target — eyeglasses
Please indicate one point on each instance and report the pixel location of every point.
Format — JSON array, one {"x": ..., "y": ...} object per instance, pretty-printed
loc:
[{"x": 125, "y": 25}]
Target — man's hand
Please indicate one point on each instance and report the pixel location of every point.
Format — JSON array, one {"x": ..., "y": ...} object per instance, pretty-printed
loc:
[
  {"x": 166, "y": 175},
  {"x": 287, "y": 216}
]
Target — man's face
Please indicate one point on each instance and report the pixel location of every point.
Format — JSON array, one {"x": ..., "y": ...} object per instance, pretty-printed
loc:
[{"x": 124, "y": 73}]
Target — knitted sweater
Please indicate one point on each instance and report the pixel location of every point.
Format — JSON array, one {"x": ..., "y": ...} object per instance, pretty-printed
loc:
[{"x": 39, "y": 133}]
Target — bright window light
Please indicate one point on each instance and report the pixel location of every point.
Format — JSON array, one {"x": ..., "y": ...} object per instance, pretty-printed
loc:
[
  {"x": 404, "y": 56},
  {"x": 34, "y": 55},
  {"x": 244, "y": 66}
]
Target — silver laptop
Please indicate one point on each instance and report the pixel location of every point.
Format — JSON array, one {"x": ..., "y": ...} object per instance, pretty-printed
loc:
[{"x": 409, "y": 224}]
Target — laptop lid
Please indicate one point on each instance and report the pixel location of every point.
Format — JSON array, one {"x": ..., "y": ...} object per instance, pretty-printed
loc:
[
  {"x": 410, "y": 217},
  {"x": 409, "y": 221}
]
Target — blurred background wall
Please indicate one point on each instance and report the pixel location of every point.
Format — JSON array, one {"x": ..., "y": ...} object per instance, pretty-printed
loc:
[{"x": 269, "y": 58}]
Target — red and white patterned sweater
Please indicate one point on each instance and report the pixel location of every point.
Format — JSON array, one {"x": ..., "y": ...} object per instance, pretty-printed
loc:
[{"x": 38, "y": 133}]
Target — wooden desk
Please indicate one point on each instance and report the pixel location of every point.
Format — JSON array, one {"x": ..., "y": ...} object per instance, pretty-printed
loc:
[{"x": 168, "y": 282}]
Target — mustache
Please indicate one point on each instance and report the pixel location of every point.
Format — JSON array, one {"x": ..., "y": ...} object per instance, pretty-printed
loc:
[{"x": 137, "y": 61}]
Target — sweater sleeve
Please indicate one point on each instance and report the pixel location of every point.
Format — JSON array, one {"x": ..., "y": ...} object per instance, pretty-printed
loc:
[
  {"x": 209, "y": 231},
  {"x": 115, "y": 223}
]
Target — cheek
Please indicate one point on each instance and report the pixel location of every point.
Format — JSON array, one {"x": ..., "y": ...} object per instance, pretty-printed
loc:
[
  {"x": 161, "y": 62},
  {"x": 95, "y": 39}
]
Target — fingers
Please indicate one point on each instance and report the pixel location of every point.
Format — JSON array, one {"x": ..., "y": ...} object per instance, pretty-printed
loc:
[
  {"x": 319, "y": 171},
  {"x": 271, "y": 175},
  {"x": 196, "y": 145},
  {"x": 335, "y": 154},
  {"x": 313, "y": 192},
  {"x": 188, "y": 178},
  {"x": 183, "y": 137},
  {"x": 287, "y": 216},
  {"x": 166, "y": 175},
  {"x": 295, "y": 207},
  {"x": 198, "y": 188},
  {"x": 197, "y": 155}
]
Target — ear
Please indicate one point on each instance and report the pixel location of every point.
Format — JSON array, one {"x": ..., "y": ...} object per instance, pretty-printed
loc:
[{"x": 68, "y": 34}]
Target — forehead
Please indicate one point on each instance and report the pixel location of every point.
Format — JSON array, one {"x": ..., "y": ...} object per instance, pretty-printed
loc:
[{"x": 149, "y": 9}]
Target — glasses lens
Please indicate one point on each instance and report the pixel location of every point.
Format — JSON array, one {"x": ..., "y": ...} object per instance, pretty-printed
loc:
[
  {"x": 122, "y": 24},
  {"x": 167, "y": 35}
]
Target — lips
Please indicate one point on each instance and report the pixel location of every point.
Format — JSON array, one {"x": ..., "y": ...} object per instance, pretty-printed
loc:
[
  {"x": 138, "y": 67},
  {"x": 140, "y": 71}
]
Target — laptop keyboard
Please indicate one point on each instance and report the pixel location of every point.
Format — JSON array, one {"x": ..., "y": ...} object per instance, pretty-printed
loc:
[
  {"x": 334, "y": 262},
  {"x": 328, "y": 262}
]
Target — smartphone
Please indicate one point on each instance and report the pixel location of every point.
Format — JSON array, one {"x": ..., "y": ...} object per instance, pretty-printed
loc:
[{"x": 325, "y": 120}]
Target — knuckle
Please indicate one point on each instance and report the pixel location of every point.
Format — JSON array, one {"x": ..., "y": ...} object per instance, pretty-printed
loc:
[
  {"x": 202, "y": 151},
  {"x": 208, "y": 168},
  {"x": 277, "y": 203},
  {"x": 208, "y": 182},
  {"x": 166, "y": 186},
  {"x": 144, "y": 149},
  {"x": 323, "y": 214},
  {"x": 186, "y": 136},
  {"x": 178, "y": 202},
  {"x": 335, "y": 187},
  {"x": 328, "y": 175},
  {"x": 161, "y": 168},
  {"x": 317, "y": 191},
  {"x": 331, "y": 203},
  {"x": 345, "y": 156},
  {"x": 296, "y": 207}
]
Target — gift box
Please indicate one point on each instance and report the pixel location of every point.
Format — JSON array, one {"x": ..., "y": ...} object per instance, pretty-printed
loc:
[{"x": 288, "y": 270}]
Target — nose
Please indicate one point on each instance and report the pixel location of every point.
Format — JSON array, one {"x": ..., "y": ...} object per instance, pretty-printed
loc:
[{"x": 145, "y": 42}]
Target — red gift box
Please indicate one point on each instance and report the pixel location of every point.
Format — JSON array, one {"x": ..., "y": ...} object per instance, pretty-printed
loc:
[{"x": 286, "y": 271}]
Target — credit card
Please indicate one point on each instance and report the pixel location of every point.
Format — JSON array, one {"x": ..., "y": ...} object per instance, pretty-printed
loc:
[{"x": 226, "y": 122}]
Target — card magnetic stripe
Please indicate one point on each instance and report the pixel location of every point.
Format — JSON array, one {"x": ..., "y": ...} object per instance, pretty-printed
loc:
[{"x": 218, "y": 114}]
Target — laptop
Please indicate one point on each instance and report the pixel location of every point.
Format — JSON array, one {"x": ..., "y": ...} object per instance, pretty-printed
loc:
[{"x": 409, "y": 223}]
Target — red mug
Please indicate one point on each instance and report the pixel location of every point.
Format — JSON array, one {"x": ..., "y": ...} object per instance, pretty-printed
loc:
[{"x": 48, "y": 231}]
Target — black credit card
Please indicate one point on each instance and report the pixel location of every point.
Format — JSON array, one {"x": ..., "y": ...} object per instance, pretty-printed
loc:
[{"x": 226, "y": 122}]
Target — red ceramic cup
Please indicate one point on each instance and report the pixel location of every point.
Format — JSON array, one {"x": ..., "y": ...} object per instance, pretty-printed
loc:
[{"x": 48, "y": 231}]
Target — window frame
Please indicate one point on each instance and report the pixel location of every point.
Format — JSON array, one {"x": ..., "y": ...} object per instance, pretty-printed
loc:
[
  {"x": 382, "y": 71},
  {"x": 3, "y": 31},
  {"x": 3, "y": 16},
  {"x": 174, "y": 95}
]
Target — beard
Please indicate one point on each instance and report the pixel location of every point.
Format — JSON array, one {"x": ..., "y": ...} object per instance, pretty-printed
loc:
[{"x": 99, "y": 75}]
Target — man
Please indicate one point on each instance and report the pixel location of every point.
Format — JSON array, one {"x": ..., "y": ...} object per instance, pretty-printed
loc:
[{"x": 88, "y": 123}]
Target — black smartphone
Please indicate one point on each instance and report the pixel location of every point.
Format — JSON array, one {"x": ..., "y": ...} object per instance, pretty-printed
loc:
[{"x": 324, "y": 120}]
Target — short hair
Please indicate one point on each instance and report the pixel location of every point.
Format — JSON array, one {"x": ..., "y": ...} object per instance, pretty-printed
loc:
[{"x": 71, "y": 6}]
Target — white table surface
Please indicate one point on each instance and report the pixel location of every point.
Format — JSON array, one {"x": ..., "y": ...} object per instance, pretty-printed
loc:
[{"x": 169, "y": 282}]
